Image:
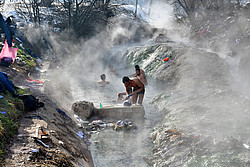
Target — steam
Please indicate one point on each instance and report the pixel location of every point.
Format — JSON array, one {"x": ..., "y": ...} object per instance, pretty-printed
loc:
[
  {"x": 234, "y": 50},
  {"x": 161, "y": 15},
  {"x": 206, "y": 98},
  {"x": 76, "y": 65}
]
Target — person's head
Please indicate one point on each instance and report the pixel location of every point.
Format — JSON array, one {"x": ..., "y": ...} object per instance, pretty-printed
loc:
[
  {"x": 137, "y": 67},
  {"x": 103, "y": 77},
  {"x": 125, "y": 80},
  {"x": 110, "y": 66},
  {"x": 137, "y": 72}
]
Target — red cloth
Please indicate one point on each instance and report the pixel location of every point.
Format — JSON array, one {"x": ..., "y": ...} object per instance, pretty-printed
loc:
[
  {"x": 8, "y": 52},
  {"x": 166, "y": 59},
  {"x": 31, "y": 80},
  {"x": 203, "y": 31}
]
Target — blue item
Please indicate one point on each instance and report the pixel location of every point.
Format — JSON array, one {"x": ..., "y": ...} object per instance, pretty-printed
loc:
[
  {"x": 80, "y": 134},
  {"x": 127, "y": 103},
  {"x": 128, "y": 96},
  {"x": 63, "y": 113},
  {"x": 6, "y": 30},
  {"x": 6, "y": 82}
]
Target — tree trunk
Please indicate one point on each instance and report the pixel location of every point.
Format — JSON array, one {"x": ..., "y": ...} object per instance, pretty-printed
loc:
[
  {"x": 150, "y": 5},
  {"x": 136, "y": 8},
  {"x": 69, "y": 15}
]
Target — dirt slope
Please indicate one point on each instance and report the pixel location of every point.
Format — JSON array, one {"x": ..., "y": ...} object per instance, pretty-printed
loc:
[{"x": 63, "y": 147}]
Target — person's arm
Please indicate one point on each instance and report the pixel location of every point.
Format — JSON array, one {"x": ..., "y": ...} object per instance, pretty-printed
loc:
[
  {"x": 122, "y": 93},
  {"x": 133, "y": 75},
  {"x": 127, "y": 90},
  {"x": 120, "y": 96},
  {"x": 142, "y": 72},
  {"x": 143, "y": 77},
  {"x": 127, "y": 93},
  {"x": 144, "y": 80}
]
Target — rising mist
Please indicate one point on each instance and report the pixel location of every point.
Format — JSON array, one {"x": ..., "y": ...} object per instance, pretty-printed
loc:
[{"x": 209, "y": 99}]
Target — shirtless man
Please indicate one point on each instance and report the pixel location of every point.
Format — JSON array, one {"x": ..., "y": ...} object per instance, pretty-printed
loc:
[
  {"x": 103, "y": 80},
  {"x": 138, "y": 89},
  {"x": 140, "y": 74}
]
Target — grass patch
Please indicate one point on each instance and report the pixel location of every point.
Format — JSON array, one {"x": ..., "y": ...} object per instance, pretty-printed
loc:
[
  {"x": 23, "y": 91},
  {"x": 23, "y": 60},
  {"x": 27, "y": 62},
  {"x": 9, "y": 116},
  {"x": 11, "y": 108}
]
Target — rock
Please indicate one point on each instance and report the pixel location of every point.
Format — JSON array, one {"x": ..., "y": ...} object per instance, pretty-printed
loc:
[
  {"x": 120, "y": 112},
  {"x": 83, "y": 109}
]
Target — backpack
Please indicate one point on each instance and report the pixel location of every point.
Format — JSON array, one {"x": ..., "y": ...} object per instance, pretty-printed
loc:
[
  {"x": 6, "y": 61},
  {"x": 30, "y": 102}
]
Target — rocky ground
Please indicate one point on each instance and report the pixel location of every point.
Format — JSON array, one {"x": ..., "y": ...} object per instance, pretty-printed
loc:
[{"x": 45, "y": 137}]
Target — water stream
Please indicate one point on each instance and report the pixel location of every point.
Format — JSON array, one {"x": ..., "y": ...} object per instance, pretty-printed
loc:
[{"x": 124, "y": 147}]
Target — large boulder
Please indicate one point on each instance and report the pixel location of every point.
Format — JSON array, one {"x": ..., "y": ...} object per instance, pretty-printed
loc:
[{"x": 83, "y": 109}]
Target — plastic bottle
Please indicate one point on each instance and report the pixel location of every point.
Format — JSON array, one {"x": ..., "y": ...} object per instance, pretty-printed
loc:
[{"x": 100, "y": 105}]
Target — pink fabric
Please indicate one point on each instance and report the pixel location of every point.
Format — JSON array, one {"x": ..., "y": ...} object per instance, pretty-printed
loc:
[
  {"x": 8, "y": 52},
  {"x": 37, "y": 81},
  {"x": 203, "y": 31}
]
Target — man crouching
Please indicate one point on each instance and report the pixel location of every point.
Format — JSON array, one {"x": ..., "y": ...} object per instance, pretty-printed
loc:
[{"x": 138, "y": 89}]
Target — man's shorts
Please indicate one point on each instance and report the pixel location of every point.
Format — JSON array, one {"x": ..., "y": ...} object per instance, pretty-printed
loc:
[{"x": 141, "y": 92}]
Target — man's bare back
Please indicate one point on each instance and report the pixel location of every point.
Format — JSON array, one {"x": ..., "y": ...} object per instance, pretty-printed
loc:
[{"x": 138, "y": 89}]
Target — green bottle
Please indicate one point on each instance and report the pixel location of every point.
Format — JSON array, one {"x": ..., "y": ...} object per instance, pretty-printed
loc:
[{"x": 100, "y": 105}]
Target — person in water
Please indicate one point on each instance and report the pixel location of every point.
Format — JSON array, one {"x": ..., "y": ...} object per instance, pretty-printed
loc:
[
  {"x": 138, "y": 89},
  {"x": 112, "y": 71},
  {"x": 140, "y": 74},
  {"x": 103, "y": 80}
]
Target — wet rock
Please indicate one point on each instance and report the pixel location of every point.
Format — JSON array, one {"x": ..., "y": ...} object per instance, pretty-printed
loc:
[{"x": 83, "y": 109}]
